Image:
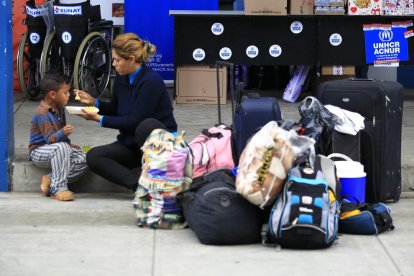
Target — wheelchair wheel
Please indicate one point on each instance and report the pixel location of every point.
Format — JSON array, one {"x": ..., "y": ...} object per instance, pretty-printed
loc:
[
  {"x": 51, "y": 58},
  {"x": 28, "y": 70},
  {"x": 93, "y": 65}
]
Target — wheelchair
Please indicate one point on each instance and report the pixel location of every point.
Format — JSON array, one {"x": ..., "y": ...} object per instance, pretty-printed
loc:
[
  {"x": 39, "y": 21},
  {"x": 78, "y": 45}
]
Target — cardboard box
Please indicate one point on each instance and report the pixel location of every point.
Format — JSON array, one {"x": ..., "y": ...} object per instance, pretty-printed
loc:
[
  {"x": 198, "y": 84},
  {"x": 265, "y": 7},
  {"x": 338, "y": 70},
  {"x": 301, "y": 6},
  {"x": 331, "y": 78}
]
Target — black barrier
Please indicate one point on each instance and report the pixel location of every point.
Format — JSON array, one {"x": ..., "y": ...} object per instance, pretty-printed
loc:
[{"x": 310, "y": 46}]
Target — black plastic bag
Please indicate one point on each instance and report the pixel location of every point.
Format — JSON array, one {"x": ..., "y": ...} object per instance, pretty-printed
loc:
[{"x": 317, "y": 123}]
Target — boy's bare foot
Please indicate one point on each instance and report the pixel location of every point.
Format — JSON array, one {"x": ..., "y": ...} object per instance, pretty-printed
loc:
[
  {"x": 45, "y": 185},
  {"x": 64, "y": 196}
]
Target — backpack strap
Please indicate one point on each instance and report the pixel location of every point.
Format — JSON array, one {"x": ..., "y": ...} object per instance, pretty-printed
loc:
[
  {"x": 217, "y": 135},
  {"x": 200, "y": 181}
]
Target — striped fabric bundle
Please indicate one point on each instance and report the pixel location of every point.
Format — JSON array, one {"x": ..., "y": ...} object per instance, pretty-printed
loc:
[{"x": 167, "y": 170}]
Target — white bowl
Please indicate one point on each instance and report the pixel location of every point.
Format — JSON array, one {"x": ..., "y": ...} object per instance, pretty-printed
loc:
[
  {"x": 74, "y": 109},
  {"x": 78, "y": 110}
]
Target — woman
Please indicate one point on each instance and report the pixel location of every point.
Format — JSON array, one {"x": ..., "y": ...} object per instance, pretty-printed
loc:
[{"x": 139, "y": 105}]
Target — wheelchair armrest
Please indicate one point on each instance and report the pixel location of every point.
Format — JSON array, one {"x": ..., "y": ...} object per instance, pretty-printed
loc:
[{"x": 101, "y": 23}]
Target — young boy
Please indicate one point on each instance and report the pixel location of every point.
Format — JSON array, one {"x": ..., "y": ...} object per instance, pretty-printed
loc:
[{"x": 49, "y": 145}]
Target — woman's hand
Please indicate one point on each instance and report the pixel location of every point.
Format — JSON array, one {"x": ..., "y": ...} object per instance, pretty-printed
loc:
[
  {"x": 84, "y": 97},
  {"x": 90, "y": 115}
]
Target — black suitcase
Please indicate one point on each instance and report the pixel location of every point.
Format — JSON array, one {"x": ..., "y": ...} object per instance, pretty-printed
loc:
[
  {"x": 347, "y": 144},
  {"x": 381, "y": 103}
]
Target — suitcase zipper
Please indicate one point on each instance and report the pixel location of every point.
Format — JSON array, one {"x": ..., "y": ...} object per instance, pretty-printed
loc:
[
  {"x": 387, "y": 100},
  {"x": 220, "y": 189},
  {"x": 345, "y": 98}
]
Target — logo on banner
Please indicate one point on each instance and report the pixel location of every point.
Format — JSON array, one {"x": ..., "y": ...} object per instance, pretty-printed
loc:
[
  {"x": 296, "y": 27},
  {"x": 385, "y": 44},
  {"x": 34, "y": 38},
  {"x": 335, "y": 39},
  {"x": 62, "y": 10},
  {"x": 199, "y": 54},
  {"x": 225, "y": 53},
  {"x": 252, "y": 51},
  {"x": 33, "y": 12},
  {"x": 217, "y": 28},
  {"x": 386, "y": 35},
  {"x": 275, "y": 50},
  {"x": 66, "y": 37}
]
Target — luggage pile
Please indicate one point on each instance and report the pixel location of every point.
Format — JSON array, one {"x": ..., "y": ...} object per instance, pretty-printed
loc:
[{"x": 264, "y": 179}]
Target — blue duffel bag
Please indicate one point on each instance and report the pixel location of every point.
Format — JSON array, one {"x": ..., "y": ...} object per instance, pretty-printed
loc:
[{"x": 364, "y": 218}]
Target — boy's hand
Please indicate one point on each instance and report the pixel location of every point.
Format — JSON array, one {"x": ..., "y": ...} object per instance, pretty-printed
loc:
[
  {"x": 67, "y": 130},
  {"x": 84, "y": 97},
  {"x": 76, "y": 146}
]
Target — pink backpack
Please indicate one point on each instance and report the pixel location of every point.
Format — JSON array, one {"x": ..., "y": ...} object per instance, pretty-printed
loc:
[{"x": 212, "y": 150}]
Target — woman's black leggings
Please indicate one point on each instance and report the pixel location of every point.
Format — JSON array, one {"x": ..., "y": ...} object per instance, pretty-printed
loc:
[{"x": 121, "y": 164}]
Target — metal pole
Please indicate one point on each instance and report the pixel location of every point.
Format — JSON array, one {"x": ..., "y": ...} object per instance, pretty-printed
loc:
[{"x": 6, "y": 94}]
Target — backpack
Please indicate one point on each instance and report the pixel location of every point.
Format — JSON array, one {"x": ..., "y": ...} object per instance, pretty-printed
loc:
[
  {"x": 217, "y": 214},
  {"x": 364, "y": 218},
  {"x": 305, "y": 215},
  {"x": 212, "y": 150},
  {"x": 166, "y": 170}
]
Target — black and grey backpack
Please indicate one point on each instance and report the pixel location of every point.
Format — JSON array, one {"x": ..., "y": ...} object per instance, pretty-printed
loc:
[{"x": 305, "y": 215}]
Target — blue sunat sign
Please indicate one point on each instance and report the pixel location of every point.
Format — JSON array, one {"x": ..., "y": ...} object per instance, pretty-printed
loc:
[{"x": 385, "y": 44}]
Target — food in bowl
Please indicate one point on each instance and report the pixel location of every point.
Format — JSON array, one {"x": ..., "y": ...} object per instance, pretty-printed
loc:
[{"x": 91, "y": 109}]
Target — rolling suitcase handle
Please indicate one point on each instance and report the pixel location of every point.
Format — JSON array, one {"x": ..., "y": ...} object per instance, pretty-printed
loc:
[
  {"x": 231, "y": 67},
  {"x": 361, "y": 79}
]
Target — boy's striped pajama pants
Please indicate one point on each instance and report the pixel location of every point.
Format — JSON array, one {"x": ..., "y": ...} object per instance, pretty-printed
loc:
[{"x": 67, "y": 164}]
